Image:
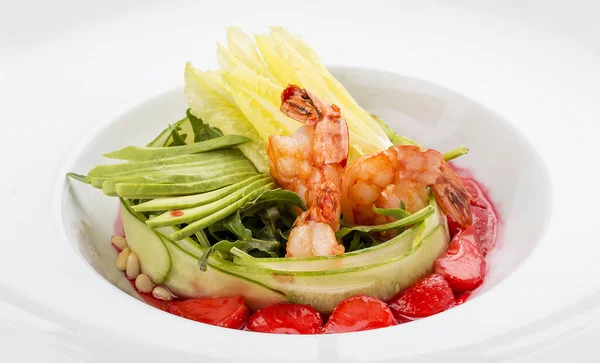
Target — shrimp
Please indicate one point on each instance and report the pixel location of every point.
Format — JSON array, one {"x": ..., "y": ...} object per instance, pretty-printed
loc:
[
  {"x": 314, "y": 230},
  {"x": 401, "y": 174},
  {"x": 315, "y": 153}
]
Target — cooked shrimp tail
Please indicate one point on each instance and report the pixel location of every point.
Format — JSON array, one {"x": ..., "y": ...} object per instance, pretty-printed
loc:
[
  {"x": 297, "y": 103},
  {"x": 453, "y": 196},
  {"x": 330, "y": 141}
]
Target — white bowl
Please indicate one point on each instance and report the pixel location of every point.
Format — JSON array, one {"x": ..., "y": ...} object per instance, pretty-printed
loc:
[
  {"x": 75, "y": 67},
  {"x": 500, "y": 158}
]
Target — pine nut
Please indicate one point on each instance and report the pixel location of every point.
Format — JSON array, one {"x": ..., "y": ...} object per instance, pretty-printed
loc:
[
  {"x": 161, "y": 293},
  {"x": 143, "y": 283},
  {"x": 119, "y": 242},
  {"x": 133, "y": 266},
  {"x": 122, "y": 259}
]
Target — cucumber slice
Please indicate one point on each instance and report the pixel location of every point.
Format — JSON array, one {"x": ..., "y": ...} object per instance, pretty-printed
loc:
[
  {"x": 186, "y": 280},
  {"x": 141, "y": 153},
  {"x": 187, "y": 244},
  {"x": 325, "y": 289},
  {"x": 149, "y": 247},
  {"x": 189, "y": 201},
  {"x": 394, "y": 247}
]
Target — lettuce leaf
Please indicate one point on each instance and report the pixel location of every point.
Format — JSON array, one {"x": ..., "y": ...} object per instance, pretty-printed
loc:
[
  {"x": 252, "y": 75},
  {"x": 208, "y": 99}
]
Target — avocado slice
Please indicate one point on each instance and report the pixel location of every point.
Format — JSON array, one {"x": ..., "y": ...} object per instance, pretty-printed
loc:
[
  {"x": 139, "y": 191},
  {"x": 188, "y": 215},
  {"x": 142, "y": 153}
]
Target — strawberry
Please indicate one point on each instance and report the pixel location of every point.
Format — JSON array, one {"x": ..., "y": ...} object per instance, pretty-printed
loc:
[
  {"x": 478, "y": 197},
  {"x": 463, "y": 264},
  {"x": 429, "y": 296},
  {"x": 485, "y": 223},
  {"x": 286, "y": 318},
  {"x": 453, "y": 226},
  {"x": 359, "y": 312},
  {"x": 228, "y": 312}
]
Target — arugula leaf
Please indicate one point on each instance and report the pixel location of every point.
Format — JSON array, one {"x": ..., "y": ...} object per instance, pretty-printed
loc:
[
  {"x": 215, "y": 228},
  {"x": 397, "y": 213},
  {"x": 270, "y": 198},
  {"x": 178, "y": 139},
  {"x": 406, "y": 221},
  {"x": 254, "y": 246},
  {"x": 356, "y": 243},
  {"x": 234, "y": 224},
  {"x": 202, "y": 132}
]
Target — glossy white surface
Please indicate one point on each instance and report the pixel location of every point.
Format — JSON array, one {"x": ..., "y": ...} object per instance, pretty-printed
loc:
[{"x": 69, "y": 76}]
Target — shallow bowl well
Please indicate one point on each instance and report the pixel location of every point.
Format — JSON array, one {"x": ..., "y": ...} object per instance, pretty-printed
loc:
[{"x": 501, "y": 159}]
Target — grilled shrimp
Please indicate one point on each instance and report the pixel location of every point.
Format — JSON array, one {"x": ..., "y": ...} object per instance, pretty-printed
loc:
[
  {"x": 401, "y": 174},
  {"x": 315, "y": 153},
  {"x": 314, "y": 230}
]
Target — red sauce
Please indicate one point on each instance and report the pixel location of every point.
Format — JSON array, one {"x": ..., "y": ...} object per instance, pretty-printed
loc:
[{"x": 176, "y": 213}]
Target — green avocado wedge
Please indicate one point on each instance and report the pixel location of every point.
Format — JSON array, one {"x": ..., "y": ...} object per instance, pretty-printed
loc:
[
  {"x": 189, "y": 201},
  {"x": 138, "y": 167},
  {"x": 189, "y": 215},
  {"x": 142, "y": 153},
  {"x": 142, "y": 191}
]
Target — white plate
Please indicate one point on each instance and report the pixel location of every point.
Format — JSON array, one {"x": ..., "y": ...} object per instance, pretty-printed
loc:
[{"x": 69, "y": 70}]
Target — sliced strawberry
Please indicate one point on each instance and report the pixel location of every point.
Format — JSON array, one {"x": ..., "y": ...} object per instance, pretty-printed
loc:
[
  {"x": 359, "y": 312},
  {"x": 286, "y": 319},
  {"x": 463, "y": 264},
  {"x": 429, "y": 296},
  {"x": 478, "y": 197},
  {"x": 453, "y": 226},
  {"x": 485, "y": 223},
  {"x": 228, "y": 312}
]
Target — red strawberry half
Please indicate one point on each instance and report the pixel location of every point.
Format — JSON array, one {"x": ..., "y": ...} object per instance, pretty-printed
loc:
[
  {"x": 286, "y": 319},
  {"x": 228, "y": 312},
  {"x": 360, "y": 312},
  {"x": 429, "y": 296},
  {"x": 463, "y": 264}
]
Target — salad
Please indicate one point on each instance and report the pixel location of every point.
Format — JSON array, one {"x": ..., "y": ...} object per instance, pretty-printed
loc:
[{"x": 279, "y": 205}]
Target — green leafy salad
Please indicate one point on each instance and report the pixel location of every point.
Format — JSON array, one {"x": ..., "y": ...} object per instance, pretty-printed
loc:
[{"x": 205, "y": 216}]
